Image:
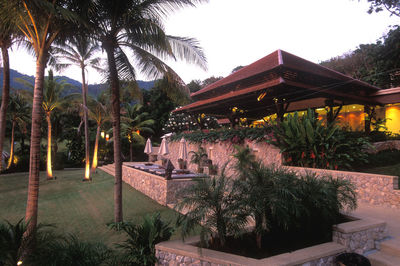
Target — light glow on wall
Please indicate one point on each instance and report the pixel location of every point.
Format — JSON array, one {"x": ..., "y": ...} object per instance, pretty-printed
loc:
[{"x": 393, "y": 119}]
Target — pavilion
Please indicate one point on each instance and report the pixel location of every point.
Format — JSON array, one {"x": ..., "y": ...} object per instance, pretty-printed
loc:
[{"x": 282, "y": 82}]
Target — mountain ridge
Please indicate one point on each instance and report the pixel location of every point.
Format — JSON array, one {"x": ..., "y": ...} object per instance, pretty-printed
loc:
[{"x": 93, "y": 89}]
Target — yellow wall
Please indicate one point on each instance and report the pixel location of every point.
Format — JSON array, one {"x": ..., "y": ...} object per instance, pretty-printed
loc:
[
  {"x": 353, "y": 116},
  {"x": 392, "y": 115}
]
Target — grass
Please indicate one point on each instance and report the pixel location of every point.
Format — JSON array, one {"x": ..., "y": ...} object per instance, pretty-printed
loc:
[{"x": 82, "y": 208}]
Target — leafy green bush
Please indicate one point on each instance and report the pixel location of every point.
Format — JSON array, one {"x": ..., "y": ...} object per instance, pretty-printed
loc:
[
  {"x": 383, "y": 158},
  {"x": 279, "y": 200},
  {"x": 213, "y": 202},
  {"x": 183, "y": 122},
  {"x": 235, "y": 136},
  {"x": 307, "y": 142},
  {"x": 139, "y": 248}
]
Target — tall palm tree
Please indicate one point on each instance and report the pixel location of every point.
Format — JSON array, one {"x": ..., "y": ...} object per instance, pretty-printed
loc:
[
  {"x": 52, "y": 100},
  {"x": 80, "y": 51},
  {"x": 137, "y": 26},
  {"x": 18, "y": 113},
  {"x": 99, "y": 113},
  {"x": 42, "y": 22},
  {"x": 7, "y": 34},
  {"x": 134, "y": 122}
]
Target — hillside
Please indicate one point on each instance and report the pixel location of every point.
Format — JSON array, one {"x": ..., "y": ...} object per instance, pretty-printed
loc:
[{"x": 93, "y": 89}]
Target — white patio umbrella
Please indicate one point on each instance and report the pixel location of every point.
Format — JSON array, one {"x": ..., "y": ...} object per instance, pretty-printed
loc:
[
  {"x": 164, "y": 147},
  {"x": 182, "y": 150},
  {"x": 148, "y": 148}
]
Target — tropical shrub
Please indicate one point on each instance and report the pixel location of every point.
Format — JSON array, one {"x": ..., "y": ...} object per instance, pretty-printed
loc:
[
  {"x": 198, "y": 157},
  {"x": 213, "y": 203},
  {"x": 234, "y": 136},
  {"x": 279, "y": 200},
  {"x": 70, "y": 251},
  {"x": 139, "y": 248},
  {"x": 14, "y": 243},
  {"x": 305, "y": 141},
  {"x": 267, "y": 193}
]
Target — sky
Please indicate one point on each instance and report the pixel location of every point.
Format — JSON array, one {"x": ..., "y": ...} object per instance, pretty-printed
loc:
[{"x": 239, "y": 32}]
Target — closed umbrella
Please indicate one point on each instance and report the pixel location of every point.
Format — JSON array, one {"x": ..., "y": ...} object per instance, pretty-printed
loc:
[
  {"x": 148, "y": 148},
  {"x": 164, "y": 147},
  {"x": 183, "y": 150}
]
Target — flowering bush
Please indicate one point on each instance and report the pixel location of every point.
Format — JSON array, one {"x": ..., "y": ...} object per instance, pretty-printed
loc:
[
  {"x": 305, "y": 141},
  {"x": 184, "y": 122},
  {"x": 235, "y": 136}
]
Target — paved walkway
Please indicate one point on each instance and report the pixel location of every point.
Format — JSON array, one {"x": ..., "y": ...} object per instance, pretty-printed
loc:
[{"x": 389, "y": 215}]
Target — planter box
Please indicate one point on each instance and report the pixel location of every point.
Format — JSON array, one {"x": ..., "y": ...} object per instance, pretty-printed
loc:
[{"x": 356, "y": 236}]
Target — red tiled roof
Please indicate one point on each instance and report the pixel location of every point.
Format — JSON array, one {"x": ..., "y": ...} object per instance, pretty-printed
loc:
[
  {"x": 264, "y": 64},
  {"x": 277, "y": 59}
]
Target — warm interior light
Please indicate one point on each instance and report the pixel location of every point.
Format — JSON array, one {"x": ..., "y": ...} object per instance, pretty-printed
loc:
[
  {"x": 19, "y": 262},
  {"x": 261, "y": 96},
  {"x": 102, "y": 134}
]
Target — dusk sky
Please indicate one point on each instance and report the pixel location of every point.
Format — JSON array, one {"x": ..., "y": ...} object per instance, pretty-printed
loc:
[{"x": 238, "y": 32}]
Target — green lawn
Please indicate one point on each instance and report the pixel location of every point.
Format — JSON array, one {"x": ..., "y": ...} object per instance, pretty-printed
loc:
[{"x": 82, "y": 208}]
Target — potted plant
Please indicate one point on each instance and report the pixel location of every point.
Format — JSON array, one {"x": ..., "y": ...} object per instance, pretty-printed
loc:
[{"x": 198, "y": 158}]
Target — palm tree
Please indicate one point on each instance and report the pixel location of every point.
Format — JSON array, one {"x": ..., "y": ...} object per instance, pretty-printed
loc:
[
  {"x": 99, "y": 113},
  {"x": 80, "y": 51},
  {"x": 42, "y": 22},
  {"x": 18, "y": 113},
  {"x": 213, "y": 203},
  {"x": 134, "y": 122},
  {"x": 137, "y": 25},
  {"x": 7, "y": 34},
  {"x": 52, "y": 100}
]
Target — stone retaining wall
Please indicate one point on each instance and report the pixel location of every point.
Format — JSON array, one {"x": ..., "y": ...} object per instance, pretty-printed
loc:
[
  {"x": 371, "y": 188},
  {"x": 221, "y": 153},
  {"x": 384, "y": 145},
  {"x": 156, "y": 187},
  {"x": 358, "y": 236}
]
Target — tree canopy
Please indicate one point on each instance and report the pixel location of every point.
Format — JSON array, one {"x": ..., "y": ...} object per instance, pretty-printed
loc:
[{"x": 375, "y": 63}]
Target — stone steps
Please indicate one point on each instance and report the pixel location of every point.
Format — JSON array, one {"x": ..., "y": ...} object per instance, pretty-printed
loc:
[
  {"x": 109, "y": 169},
  {"x": 389, "y": 254},
  {"x": 383, "y": 259},
  {"x": 391, "y": 247}
]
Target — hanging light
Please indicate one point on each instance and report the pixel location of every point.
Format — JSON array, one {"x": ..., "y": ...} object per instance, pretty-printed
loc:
[
  {"x": 102, "y": 134},
  {"x": 107, "y": 137}
]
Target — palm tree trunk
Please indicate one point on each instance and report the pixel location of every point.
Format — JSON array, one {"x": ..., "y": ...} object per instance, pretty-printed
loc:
[
  {"x": 10, "y": 160},
  {"x": 34, "y": 160},
  {"x": 116, "y": 132},
  {"x": 130, "y": 152},
  {"x": 49, "y": 170},
  {"x": 86, "y": 122},
  {"x": 5, "y": 98},
  {"x": 96, "y": 146}
]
